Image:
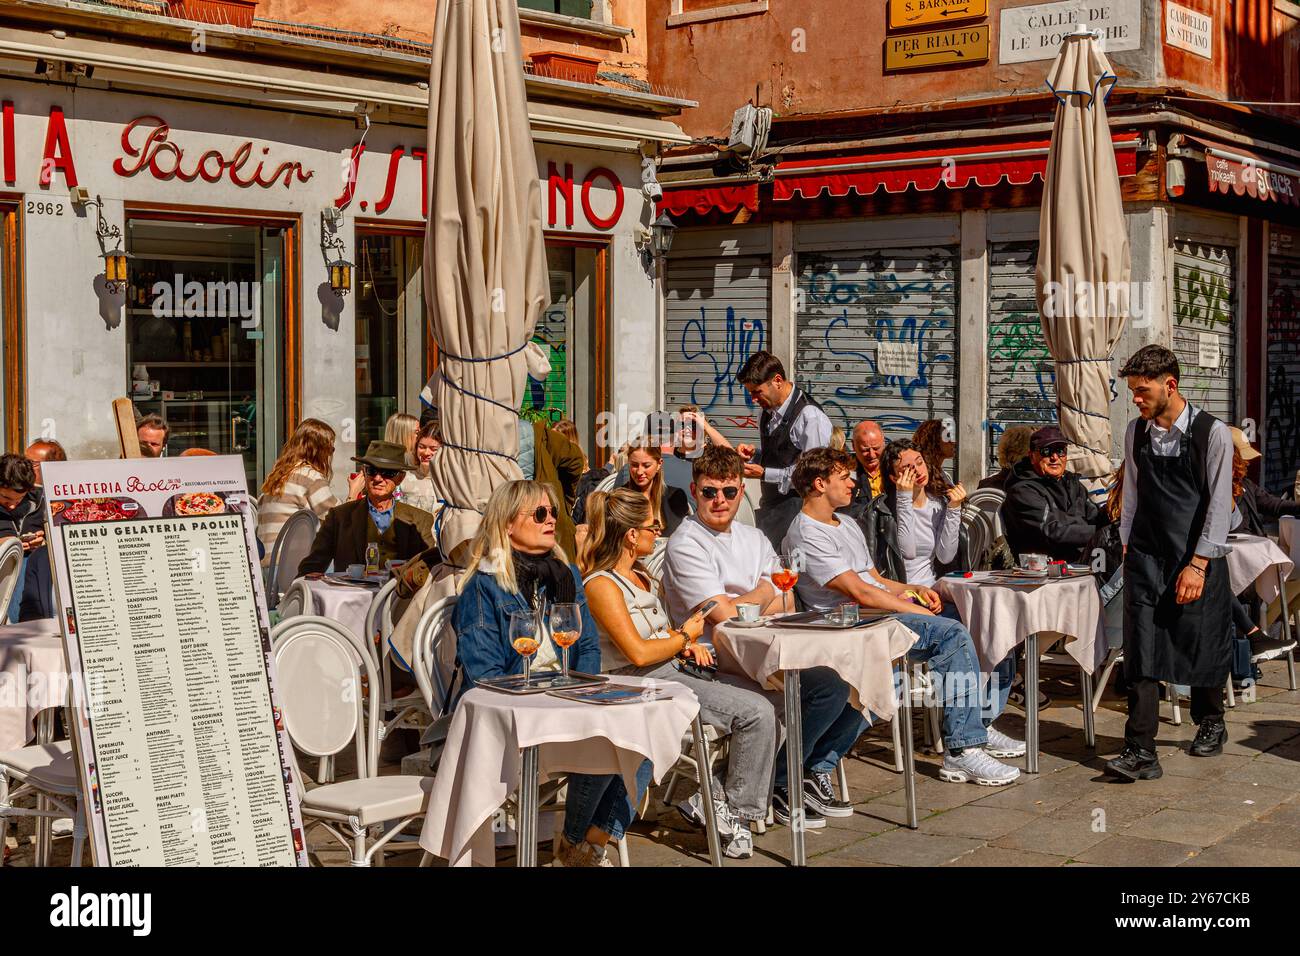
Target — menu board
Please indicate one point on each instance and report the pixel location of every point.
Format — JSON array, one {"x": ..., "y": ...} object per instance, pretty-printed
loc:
[{"x": 184, "y": 760}]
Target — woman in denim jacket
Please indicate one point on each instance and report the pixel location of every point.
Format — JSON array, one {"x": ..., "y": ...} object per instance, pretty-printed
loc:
[{"x": 515, "y": 565}]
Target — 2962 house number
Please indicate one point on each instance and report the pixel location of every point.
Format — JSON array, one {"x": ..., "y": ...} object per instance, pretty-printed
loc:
[{"x": 35, "y": 208}]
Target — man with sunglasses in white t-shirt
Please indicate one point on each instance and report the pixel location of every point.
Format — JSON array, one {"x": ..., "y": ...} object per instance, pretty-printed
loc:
[{"x": 711, "y": 556}]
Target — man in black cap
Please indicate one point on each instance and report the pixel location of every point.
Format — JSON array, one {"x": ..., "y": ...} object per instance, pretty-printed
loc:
[
  {"x": 402, "y": 532},
  {"x": 1048, "y": 510},
  {"x": 791, "y": 424},
  {"x": 1174, "y": 525}
]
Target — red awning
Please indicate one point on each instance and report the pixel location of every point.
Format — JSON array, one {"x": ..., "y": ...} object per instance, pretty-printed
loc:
[
  {"x": 1231, "y": 169},
  {"x": 925, "y": 169},
  {"x": 728, "y": 198}
]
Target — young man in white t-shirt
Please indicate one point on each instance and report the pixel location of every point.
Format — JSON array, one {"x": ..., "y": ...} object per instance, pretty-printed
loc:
[
  {"x": 837, "y": 567},
  {"x": 712, "y": 557}
]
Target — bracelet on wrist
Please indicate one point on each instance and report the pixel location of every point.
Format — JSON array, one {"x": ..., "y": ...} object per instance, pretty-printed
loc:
[{"x": 1197, "y": 568}]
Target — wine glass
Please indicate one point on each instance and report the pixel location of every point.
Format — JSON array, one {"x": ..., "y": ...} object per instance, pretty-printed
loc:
[
  {"x": 566, "y": 628},
  {"x": 523, "y": 638},
  {"x": 786, "y": 575}
]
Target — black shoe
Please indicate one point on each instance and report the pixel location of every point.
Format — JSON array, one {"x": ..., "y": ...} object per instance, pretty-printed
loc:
[
  {"x": 820, "y": 796},
  {"x": 1133, "y": 763},
  {"x": 1211, "y": 735},
  {"x": 812, "y": 820}
]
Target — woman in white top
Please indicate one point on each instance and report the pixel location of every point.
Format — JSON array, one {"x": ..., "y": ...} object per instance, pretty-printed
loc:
[
  {"x": 926, "y": 527},
  {"x": 417, "y": 487},
  {"x": 636, "y": 637}
]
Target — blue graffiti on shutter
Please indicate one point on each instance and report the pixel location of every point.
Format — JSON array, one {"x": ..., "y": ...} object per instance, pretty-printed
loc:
[{"x": 742, "y": 339}]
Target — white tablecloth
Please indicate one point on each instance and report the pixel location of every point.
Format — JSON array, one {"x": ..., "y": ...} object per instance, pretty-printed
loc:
[
  {"x": 32, "y": 678},
  {"x": 863, "y": 656},
  {"x": 481, "y": 760},
  {"x": 1001, "y": 616},
  {"x": 348, "y": 604},
  {"x": 1255, "y": 560}
]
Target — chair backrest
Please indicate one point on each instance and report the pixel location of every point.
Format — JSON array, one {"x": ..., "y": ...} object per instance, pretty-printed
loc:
[
  {"x": 292, "y": 544},
  {"x": 433, "y": 655},
  {"x": 976, "y": 529},
  {"x": 989, "y": 501},
  {"x": 746, "y": 513},
  {"x": 11, "y": 565},
  {"x": 297, "y": 600},
  {"x": 320, "y": 666},
  {"x": 606, "y": 483},
  {"x": 379, "y": 628},
  {"x": 1112, "y": 609}
]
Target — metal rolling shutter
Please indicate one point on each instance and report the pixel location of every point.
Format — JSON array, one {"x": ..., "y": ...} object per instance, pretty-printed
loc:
[
  {"x": 1282, "y": 410},
  {"x": 717, "y": 316},
  {"x": 1022, "y": 377},
  {"x": 849, "y": 304},
  {"x": 1205, "y": 320}
]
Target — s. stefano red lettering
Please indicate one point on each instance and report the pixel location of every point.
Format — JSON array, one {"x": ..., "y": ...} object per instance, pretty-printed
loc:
[
  {"x": 153, "y": 150},
  {"x": 134, "y": 484}
]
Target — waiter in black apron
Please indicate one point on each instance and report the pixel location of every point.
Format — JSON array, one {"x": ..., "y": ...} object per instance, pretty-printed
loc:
[
  {"x": 791, "y": 424},
  {"x": 1174, "y": 526}
]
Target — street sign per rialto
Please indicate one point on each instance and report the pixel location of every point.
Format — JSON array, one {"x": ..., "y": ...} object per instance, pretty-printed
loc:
[
  {"x": 920, "y": 51},
  {"x": 905, "y": 14}
]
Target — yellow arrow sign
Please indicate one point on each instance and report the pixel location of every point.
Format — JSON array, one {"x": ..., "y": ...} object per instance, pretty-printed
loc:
[
  {"x": 920, "y": 13},
  {"x": 920, "y": 51}
]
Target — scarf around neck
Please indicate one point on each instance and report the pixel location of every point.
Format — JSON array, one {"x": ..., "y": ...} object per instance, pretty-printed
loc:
[{"x": 543, "y": 572}]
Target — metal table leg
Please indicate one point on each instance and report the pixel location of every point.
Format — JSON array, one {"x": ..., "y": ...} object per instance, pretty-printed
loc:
[
  {"x": 528, "y": 801},
  {"x": 44, "y": 825},
  {"x": 794, "y": 766},
  {"x": 1089, "y": 718},
  {"x": 705, "y": 775},
  {"x": 1031, "y": 704},
  {"x": 1286, "y": 629},
  {"x": 904, "y": 719}
]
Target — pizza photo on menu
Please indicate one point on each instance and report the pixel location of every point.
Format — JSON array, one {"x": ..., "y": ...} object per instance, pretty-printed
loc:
[
  {"x": 80, "y": 510},
  {"x": 196, "y": 504}
]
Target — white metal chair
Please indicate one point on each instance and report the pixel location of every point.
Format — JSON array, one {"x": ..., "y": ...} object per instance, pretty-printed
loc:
[
  {"x": 292, "y": 544},
  {"x": 408, "y": 712},
  {"x": 48, "y": 772},
  {"x": 746, "y": 513},
  {"x": 320, "y": 667},
  {"x": 989, "y": 501},
  {"x": 296, "y": 600},
  {"x": 11, "y": 566},
  {"x": 607, "y": 483}
]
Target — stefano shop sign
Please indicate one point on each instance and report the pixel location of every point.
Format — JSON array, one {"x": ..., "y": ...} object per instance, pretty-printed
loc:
[{"x": 148, "y": 148}]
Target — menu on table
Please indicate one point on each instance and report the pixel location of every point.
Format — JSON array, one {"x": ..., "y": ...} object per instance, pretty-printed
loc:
[{"x": 183, "y": 755}]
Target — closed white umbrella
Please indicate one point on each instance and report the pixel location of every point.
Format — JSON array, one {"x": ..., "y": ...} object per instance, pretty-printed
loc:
[
  {"x": 484, "y": 257},
  {"x": 1082, "y": 279}
]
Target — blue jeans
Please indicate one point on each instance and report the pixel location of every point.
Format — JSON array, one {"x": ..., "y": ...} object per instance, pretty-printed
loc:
[
  {"x": 831, "y": 725},
  {"x": 15, "y": 603},
  {"x": 601, "y": 801},
  {"x": 946, "y": 645}
]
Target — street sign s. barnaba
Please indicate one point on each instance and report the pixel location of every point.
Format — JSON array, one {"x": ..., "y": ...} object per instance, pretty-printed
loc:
[
  {"x": 905, "y": 14},
  {"x": 920, "y": 51}
]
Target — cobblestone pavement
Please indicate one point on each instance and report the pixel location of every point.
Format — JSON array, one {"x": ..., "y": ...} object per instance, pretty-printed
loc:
[{"x": 1241, "y": 808}]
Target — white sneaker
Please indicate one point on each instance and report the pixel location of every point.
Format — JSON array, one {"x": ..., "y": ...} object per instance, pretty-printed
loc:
[
  {"x": 1000, "y": 745},
  {"x": 693, "y": 810},
  {"x": 741, "y": 844},
  {"x": 975, "y": 765}
]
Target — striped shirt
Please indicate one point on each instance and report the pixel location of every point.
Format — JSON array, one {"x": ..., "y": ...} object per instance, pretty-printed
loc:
[{"x": 305, "y": 488}]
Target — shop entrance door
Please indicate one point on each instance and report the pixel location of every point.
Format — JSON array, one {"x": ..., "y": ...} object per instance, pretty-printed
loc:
[{"x": 205, "y": 335}]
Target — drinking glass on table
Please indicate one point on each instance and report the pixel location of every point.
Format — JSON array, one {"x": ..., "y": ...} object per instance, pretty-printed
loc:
[
  {"x": 523, "y": 638},
  {"x": 566, "y": 628},
  {"x": 786, "y": 576}
]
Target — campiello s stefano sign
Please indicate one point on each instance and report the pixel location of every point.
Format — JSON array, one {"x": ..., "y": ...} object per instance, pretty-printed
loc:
[{"x": 146, "y": 145}]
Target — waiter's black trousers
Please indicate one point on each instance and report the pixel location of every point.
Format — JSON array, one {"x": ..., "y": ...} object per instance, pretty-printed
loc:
[{"x": 1144, "y": 710}]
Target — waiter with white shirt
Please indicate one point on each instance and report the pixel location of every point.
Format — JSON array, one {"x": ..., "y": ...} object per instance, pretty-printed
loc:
[
  {"x": 791, "y": 423},
  {"x": 1174, "y": 527}
]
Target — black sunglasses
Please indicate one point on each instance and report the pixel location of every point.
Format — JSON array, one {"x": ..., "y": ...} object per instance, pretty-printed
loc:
[
  {"x": 539, "y": 516},
  {"x": 711, "y": 492},
  {"x": 1057, "y": 451},
  {"x": 389, "y": 473}
]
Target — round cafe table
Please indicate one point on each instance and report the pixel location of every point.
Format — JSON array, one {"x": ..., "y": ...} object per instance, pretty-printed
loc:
[
  {"x": 348, "y": 604},
  {"x": 33, "y": 679},
  {"x": 1267, "y": 565},
  {"x": 773, "y": 654},
  {"x": 1001, "y": 615},
  {"x": 500, "y": 741}
]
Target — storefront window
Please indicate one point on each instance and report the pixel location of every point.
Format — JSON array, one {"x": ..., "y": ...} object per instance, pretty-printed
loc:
[
  {"x": 205, "y": 319},
  {"x": 390, "y": 323},
  {"x": 570, "y": 8},
  {"x": 566, "y": 331}
]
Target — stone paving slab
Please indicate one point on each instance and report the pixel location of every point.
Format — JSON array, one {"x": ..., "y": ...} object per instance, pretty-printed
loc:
[
  {"x": 1123, "y": 850},
  {"x": 1195, "y": 828}
]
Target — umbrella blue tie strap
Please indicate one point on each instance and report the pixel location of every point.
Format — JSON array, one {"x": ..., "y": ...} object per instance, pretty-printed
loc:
[{"x": 443, "y": 353}]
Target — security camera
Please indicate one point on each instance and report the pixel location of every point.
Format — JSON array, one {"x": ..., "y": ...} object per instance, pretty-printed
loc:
[
  {"x": 653, "y": 190},
  {"x": 80, "y": 195}
]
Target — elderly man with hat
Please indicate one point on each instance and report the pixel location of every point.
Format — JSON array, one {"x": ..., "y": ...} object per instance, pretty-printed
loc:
[
  {"x": 1048, "y": 510},
  {"x": 402, "y": 532}
]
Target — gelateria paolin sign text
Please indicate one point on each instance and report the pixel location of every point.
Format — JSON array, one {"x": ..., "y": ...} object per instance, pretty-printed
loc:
[{"x": 147, "y": 146}]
